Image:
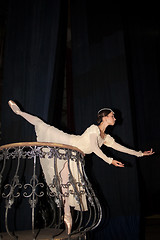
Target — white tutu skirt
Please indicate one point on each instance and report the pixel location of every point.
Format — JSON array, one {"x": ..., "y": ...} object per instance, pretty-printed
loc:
[{"x": 53, "y": 165}]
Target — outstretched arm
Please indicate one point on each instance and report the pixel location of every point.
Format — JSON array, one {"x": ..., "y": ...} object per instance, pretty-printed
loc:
[
  {"x": 121, "y": 148},
  {"x": 99, "y": 153}
]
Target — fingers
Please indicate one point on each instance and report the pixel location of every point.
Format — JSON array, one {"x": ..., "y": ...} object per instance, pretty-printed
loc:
[
  {"x": 119, "y": 164},
  {"x": 150, "y": 152}
]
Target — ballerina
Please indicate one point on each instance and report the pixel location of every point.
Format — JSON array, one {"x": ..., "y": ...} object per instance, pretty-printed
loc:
[{"x": 90, "y": 141}]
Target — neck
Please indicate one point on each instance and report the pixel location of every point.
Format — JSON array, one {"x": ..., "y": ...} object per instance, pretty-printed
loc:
[{"x": 102, "y": 127}]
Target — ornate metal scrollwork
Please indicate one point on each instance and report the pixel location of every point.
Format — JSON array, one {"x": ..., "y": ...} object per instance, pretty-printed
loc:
[{"x": 79, "y": 188}]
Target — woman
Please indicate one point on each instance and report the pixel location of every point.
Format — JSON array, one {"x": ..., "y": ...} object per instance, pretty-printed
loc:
[{"x": 90, "y": 141}]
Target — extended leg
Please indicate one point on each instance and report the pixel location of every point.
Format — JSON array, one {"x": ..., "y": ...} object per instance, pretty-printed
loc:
[{"x": 30, "y": 118}]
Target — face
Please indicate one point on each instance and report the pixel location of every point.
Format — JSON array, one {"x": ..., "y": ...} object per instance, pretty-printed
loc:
[{"x": 109, "y": 119}]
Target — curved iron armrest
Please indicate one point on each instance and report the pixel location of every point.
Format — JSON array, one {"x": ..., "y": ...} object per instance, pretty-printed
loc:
[
  {"x": 33, "y": 190},
  {"x": 41, "y": 144}
]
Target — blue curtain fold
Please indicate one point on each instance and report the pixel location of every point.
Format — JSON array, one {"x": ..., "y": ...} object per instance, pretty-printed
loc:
[
  {"x": 34, "y": 60},
  {"x": 35, "y": 40},
  {"x": 113, "y": 54},
  {"x": 110, "y": 66}
]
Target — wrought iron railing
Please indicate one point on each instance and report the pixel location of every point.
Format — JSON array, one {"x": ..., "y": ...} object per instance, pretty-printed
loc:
[{"x": 13, "y": 186}]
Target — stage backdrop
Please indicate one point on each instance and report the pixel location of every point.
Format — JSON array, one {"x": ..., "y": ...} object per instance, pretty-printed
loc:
[
  {"x": 115, "y": 65},
  {"x": 33, "y": 75},
  {"x": 34, "y": 64}
]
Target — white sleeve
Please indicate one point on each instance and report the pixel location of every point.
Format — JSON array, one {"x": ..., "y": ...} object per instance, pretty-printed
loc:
[
  {"x": 110, "y": 142},
  {"x": 95, "y": 148}
]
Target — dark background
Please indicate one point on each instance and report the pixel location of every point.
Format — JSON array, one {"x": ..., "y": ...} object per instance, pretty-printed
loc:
[{"x": 63, "y": 61}]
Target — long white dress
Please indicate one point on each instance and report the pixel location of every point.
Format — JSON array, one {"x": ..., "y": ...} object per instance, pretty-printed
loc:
[{"x": 90, "y": 141}]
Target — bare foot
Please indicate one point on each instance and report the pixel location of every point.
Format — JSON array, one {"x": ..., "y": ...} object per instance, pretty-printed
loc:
[{"x": 14, "y": 107}]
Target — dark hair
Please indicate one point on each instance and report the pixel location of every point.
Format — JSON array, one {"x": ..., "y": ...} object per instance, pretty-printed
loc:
[{"x": 103, "y": 113}]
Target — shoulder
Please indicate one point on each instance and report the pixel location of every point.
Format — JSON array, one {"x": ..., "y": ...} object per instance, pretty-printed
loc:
[
  {"x": 109, "y": 140},
  {"x": 93, "y": 129}
]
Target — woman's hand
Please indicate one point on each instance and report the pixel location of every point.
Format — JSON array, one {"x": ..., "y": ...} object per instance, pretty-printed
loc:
[
  {"x": 147, "y": 153},
  {"x": 117, "y": 163}
]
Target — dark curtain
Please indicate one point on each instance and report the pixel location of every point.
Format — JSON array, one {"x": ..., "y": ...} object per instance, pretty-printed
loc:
[
  {"x": 111, "y": 66},
  {"x": 34, "y": 64},
  {"x": 33, "y": 77},
  {"x": 142, "y": 35}
]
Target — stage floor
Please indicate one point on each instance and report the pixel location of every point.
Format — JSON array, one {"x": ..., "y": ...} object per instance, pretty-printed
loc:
[
  {"x": 44, "y": 234},
  {"x": 152, "y": 232},
  {"x": 152, "y": 228}
]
